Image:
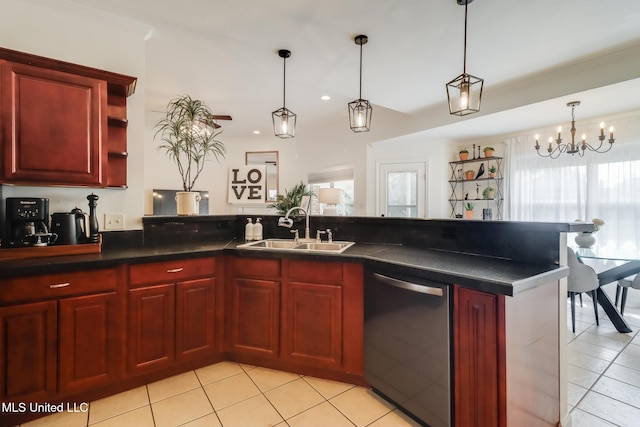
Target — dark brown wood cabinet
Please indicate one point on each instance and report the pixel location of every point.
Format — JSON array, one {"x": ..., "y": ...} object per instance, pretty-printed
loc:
[
  {"x": 53, "y": 125},
  {"x": 89, "y": 342},
  {"x": 62, "y": 123},
  {"x": 67, "y": 340},
  {"x": 151, "y": 331},
  {"x": 195, "y": 319},
  {"x": 297, "y": 315},
  {"x": 312, "y": 313},
  {"x": 255, "y": 307},
  {"x": 172, "y": 313},
  {"x": 506, "y": 359},
  {"x": 476, "y": 369},
  {"x": 28, "y": 352}
]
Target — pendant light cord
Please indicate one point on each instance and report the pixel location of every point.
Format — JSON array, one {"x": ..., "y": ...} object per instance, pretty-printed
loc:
[
  {"x": 360, "y": 96},
  {"x": 464, "y": 66},
  {"x": 284, "y": 83}
]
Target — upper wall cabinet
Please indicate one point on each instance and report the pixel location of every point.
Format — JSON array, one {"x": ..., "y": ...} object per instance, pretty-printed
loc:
[{"x": 62, "y": 124}]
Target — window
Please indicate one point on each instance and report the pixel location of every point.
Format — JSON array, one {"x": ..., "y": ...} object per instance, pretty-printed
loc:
[
  {"x": 401, "y": 189},
  {"x": 605, "y": 186}
]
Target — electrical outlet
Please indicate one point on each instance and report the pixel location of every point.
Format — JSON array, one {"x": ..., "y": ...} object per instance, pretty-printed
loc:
[{"x": 114, "y": 221}]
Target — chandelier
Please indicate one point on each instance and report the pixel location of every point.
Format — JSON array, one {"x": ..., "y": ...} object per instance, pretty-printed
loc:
[{"x": 575, "y": 147}]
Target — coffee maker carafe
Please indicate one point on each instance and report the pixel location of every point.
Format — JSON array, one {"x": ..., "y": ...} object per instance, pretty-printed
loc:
[{"x": 27, "y": 222}]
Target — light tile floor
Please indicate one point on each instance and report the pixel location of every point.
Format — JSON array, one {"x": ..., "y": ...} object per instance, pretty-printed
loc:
[
  {"x": 603, "y": 371},
  {"x": 604, "y": 366},
  {"x": 234, "y": 395}
]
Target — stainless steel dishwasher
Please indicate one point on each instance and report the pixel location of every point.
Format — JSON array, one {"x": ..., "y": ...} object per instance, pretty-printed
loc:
[{"x": 407, "y": 356}]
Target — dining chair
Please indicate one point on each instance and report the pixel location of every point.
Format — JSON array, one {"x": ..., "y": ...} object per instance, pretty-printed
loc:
[
  {"x": 582, "y": 278},
  {"x": 624, "y": 285}
]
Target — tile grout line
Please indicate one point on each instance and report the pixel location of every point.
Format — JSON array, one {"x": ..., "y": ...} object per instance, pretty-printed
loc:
[{"x": 600, "y": 375}]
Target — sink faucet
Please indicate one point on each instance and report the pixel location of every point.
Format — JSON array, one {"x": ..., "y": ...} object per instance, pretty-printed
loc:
[{"x": 288, "y": 222}]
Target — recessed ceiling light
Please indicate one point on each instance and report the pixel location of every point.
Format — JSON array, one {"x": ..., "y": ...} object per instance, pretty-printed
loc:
[
  {"x": 325, "y": 97},
  {"x": 256, "y": 132}
]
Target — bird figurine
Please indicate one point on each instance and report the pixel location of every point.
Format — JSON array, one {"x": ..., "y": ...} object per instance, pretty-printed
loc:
[{"x": 480, "y": 171}]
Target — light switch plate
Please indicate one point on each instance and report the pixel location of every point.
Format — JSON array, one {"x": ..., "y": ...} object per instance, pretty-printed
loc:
[{"x": 114, "y": 221}]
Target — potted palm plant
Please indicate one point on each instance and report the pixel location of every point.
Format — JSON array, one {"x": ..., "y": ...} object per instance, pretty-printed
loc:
[
  {"x": 188, "y": 136},
  {"x": 291, "y": 198}
]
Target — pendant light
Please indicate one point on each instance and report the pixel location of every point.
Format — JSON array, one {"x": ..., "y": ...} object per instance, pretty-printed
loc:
[
  {"x": 360, "y": 109},
  {"x": 284, "y": 120},
  {"x": 465, "y": 91}
]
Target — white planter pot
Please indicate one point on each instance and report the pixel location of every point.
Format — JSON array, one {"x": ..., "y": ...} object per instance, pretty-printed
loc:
[{"x": 188, "y": 202}]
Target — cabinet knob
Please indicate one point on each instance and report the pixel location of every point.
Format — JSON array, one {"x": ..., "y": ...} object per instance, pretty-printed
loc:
[
  {"x": 59, "y": 285},
  {"x": 175, "y": 270}
]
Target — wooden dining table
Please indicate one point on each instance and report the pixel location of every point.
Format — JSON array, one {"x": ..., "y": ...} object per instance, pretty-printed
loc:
[{"x": 630, "y": 265}]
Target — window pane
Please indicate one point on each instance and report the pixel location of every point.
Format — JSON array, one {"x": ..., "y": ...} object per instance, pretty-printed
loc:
[{"x": 402, "y": 194}]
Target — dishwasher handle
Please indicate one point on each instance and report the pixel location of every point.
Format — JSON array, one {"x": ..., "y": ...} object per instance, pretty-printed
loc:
[{"x": 413, "y": 287}]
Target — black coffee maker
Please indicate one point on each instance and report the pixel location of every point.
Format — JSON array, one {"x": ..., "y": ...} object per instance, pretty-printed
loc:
[{"x": 27, "y": 221}]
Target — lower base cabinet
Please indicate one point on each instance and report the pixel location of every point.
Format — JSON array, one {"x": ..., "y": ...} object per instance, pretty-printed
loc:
[
  {"x": 28, "y": 352},
  {"x": 476, "y": 352},
  {"x": 171, "y": 314},
  {"x": 89, "y": 334},
  {"x": 297, "y": 315}
]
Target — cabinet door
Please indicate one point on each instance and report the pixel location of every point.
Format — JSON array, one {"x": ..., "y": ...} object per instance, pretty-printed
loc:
[
  {"x": 312, "y": 332},
  {"x": 151, "y": 340},
  {"x": 195, "y": 318},
  {"x": 255, "y": 317},
  {"x": 89, "y": 341},
  {"x": 476, "y": 358},
  {"x": 53, "y": 123},
  {"x": 28, "y": 352}
]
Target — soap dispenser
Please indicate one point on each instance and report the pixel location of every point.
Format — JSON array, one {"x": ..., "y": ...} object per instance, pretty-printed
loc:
[
  {"x": 248, "y": 230},
  {"x": 257, "y": 230}
]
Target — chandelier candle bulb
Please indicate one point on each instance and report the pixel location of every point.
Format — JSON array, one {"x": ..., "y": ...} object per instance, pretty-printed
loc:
[
  {"x": 611, "y": 134},
  {"x": 601, "y": 128}
]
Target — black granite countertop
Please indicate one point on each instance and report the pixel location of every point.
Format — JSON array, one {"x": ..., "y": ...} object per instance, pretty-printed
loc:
[{"x": 488, "y": 274}]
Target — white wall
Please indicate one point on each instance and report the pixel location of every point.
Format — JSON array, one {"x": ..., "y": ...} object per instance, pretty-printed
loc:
[
  {"x": 414, "y": 148},
  {"x": 75, "y": 35}
]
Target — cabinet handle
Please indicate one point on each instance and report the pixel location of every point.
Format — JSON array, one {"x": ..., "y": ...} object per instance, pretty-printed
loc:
[
  {"x": 175, "y": 270},
  {"x": 60, "y": 285}
]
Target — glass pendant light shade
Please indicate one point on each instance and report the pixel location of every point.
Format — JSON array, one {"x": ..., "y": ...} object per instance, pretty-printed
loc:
[
  {"x": 360, "y": 109},
  {"x": 284, "y": 120},
  {"x": 360, "y": 115},
  {"x": 284, "y": 123},
  {"x": 464, "y": 94}
]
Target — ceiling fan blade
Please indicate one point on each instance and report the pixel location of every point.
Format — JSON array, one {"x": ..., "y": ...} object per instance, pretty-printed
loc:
[{"x": 216, "y": 117}]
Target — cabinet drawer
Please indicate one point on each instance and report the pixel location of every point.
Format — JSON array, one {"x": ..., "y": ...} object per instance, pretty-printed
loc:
[
  {"x": 329, "y": 273},
  {"x": 171, "y": 271},
  {"x": 56, "y": 285},
  {"x": 252, "y": 267}
]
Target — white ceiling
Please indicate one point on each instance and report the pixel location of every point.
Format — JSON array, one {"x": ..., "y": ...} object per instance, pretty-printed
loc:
[{"x": 533, "y": 55}]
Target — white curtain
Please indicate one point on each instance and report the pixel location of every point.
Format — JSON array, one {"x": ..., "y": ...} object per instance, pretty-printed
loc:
[{"x": 605, "y": 186}]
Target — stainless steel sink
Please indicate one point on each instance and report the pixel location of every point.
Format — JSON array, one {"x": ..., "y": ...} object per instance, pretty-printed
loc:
[
  {"x": 291, "y": 245},
  {"x": 325, "y": 246},
  {"x": 270, "y": 244}
]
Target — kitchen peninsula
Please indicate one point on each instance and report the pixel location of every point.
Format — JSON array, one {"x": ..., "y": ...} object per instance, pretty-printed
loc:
[{"x": 147, "y": 309}]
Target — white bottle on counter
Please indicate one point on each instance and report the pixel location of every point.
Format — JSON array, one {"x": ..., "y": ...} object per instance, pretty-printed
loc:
[
  {"x": 257, "y": 230},
  {"x": 248, "y": 230}
]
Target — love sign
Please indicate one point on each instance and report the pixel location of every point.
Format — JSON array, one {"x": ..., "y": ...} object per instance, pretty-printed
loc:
[{"x": 247, "y": 184}]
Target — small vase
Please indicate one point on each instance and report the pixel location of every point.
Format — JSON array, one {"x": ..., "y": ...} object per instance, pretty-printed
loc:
[{"x": 585, "y": 240}]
